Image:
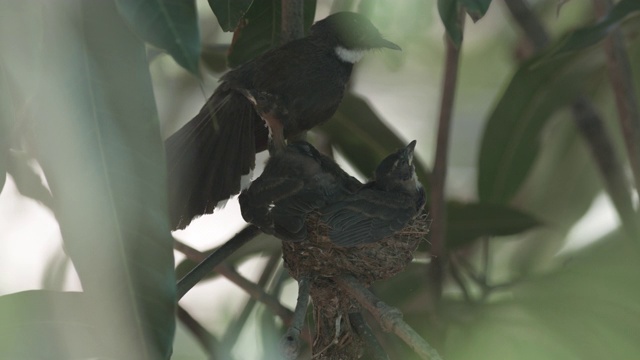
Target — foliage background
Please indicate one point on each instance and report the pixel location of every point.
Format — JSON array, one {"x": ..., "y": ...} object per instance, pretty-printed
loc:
[{"x": 539, "y": 266}]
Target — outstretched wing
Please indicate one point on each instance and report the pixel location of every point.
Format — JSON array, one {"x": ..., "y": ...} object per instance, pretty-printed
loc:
[{"x": 367, "y": 217}]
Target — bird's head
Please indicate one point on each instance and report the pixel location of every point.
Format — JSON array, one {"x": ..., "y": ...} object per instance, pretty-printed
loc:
[
  {"x": 351, "y": 34},
  {"x": 397, "y": 171}
]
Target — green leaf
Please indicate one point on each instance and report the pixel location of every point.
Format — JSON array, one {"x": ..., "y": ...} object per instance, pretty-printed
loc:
[
  {"x": 363, "y": 138},
  {"x": 259, "y": 30},
  {"x": 586, "y": 309},
  {"x": 448, "y": 10},
  {"x": 591, "y": 35},
  {"x": 511, "y": 138},
  {"x": 229, "y": 12},
  {"x": 171, "y": 25},
  {"x": 476, "y": 8},
  {"x": 98, "y": 141},
  {"x": 468, "y": 222},
  {"x": 42, "y": 324}
]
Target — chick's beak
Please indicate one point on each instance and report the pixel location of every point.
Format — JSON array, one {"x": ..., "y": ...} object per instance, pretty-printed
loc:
[{"x": 408, "y": 152}]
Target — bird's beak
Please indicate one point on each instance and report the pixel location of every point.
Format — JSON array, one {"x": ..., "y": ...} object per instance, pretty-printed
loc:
[
  {"x": 408, "y": 151},
  {"x": 383, "y": 43}
]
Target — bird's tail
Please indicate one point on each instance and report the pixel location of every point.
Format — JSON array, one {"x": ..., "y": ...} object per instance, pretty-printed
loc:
[{"x": 208, "y": 156}]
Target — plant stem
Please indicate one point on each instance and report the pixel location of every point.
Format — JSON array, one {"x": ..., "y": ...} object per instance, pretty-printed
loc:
[
  {"x": 438, "y": 209},
  {"x": 621, "y": 77}
]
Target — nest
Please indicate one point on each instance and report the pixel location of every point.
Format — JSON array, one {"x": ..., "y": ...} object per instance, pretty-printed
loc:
[
  {"x": 319, "y": 260},
  {"x": 318, "y": 257}
]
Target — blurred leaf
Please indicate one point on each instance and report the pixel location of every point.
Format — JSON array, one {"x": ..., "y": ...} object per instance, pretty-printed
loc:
[
  {"x": 468, "y": 222},
  {"x": 55, "y": 271},
  {"x": 215, "y": 57},
  {"x": 259, "y": 30},
  {"x": 448, "y": 10},
  {"x": 42, "y": 324},
  {"x": 229, "y": 12},
  {"x": 98, "y": 141},
  {"x": 476, "y": 8},
  {"x": 363, "y": 138},
  {"x": 558, "y": 204},
  {"x": 511, "y": 139},
  {"x": 27, "y": 181},
  {"x": 6, "y": 118},
  {"x": 587, "y": 309},
  {"x": 591, "y": 35},
  {"x": 171, "y": 25}
]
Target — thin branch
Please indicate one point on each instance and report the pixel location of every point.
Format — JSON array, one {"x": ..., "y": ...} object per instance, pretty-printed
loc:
[
  {"x": 235, "y": 328},
  {"x": 439, "y": 174},
  {"x": 207, "y": 265},
  {"x": 362, "y": 329},
  {"x": 591, "y": 126},
  {"x": 621, "y": 77},
  {"x": 290, "y": 343},
  {"x": 529, "y": 23},
  {"x": 232, "y": 275},
  {"x": 203, "y": 336},
  {"x": 461, "y": 284},
  {"x": 292, "y": 26},
  {"x": 389, "y": 318}
]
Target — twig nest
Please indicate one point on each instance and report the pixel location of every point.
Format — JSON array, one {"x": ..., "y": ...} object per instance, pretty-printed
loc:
[{"x": 318, "y": 257}]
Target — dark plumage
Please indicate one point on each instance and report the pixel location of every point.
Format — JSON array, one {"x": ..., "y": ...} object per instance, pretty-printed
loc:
[
  {"x": 296, "y": 182},
  {"x": 380, "y": 208},
  {"x": 305, "y": 77}
]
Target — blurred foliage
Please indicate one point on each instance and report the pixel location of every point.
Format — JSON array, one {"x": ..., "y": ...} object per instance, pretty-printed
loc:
[
  {"x": 97, "y": 140},
  {"x": 259, "y": 30},
  {"x": 168, "y": 24}
]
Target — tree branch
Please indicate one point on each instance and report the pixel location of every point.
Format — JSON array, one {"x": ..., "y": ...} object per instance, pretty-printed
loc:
[
  {"x": 230, "y": 273},
  {"x": 290, "y": 342},
  {"x": 621, "y": 77},
  {"x": 208, "y": 342},
  {"x": 372, "y": 345},
  {"x": 438, "y": 266},
  {"x": 292, "y": 26},
  {"x": 389, "y": 318},
  {"x": 207, "y": 265}
]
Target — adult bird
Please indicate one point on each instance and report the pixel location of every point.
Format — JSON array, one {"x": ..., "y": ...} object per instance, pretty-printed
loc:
[
  {"x": 306, "y": 80},
  {"x": 381, "y": 207},
  {"x": 295, "y": 182}
]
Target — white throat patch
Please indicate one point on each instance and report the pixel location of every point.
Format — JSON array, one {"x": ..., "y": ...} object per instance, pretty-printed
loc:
[{"x": 349, "y": 55}]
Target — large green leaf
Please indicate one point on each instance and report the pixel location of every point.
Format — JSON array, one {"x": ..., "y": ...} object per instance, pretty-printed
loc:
[
  {"x": 171, "y": 25},
  {"x": 467, "y": 222},
  {"x": 259, "y": 30},
  {"x": 42, "y": 324},
  {"x": 587, "y": 309},
  {"x": 363, "y": 138},
  {"x": 591, "y": 35},
  {"x": 511, "y": 138},
  {"x": 229, "y": 12},
  {"x": 96, "y": 134}
]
